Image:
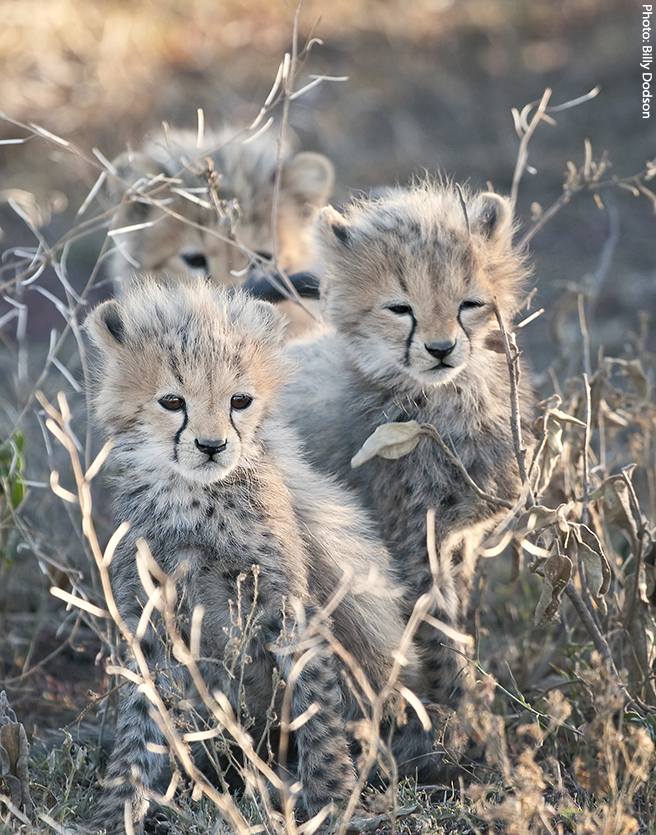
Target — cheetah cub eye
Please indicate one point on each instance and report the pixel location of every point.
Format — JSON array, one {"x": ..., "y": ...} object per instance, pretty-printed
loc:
[
  {"x": 195, "y": 260},
  {"x": 240, "y": 401},
  {"x": 471, "y": 304},
  {"x": 400, "y": 309},
  {"x": 172, "y": 402}
]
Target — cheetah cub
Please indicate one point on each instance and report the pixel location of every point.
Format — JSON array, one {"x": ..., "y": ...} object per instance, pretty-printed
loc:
[
  {"x": 211, "y": 479},
  {"x": 410, "y": 287},
  {"x": 206, "y": 231}
]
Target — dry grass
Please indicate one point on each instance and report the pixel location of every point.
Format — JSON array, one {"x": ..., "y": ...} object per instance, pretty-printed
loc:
[{"x": 562, "y": 696}]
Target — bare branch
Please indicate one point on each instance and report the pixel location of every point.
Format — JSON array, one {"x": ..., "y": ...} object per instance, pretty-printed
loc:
[
  {"x": 522, "y": 155},
  {"x": 599, "y": 641},
  {"x": 512, "y": 359},
  {"x": 454, "y": 458}
]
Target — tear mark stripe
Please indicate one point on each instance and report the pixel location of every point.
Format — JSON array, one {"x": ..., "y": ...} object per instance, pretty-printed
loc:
[
  {"x": 406, "y": 358},
  {"x": 465, "y": 331},
  {"x": 176, "y": 437},
  {"x": 234, "y": 426}
]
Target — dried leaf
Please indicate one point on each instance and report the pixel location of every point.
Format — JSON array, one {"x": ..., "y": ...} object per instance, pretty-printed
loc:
[
  {"x": 517, "y": 562},
  {"x": 597, "y": 389},
  {"x": 535, "y": 519},
  {"x": 597, "y": 568},
  {"x": 614, "y": 494},
  {"x": 633, "y": 371},
  {"x": 561, "y": 519},
  {"x": 14, "y": 756},
  {"x": 557, "y": 414},
  {"x": 553, "y": 449},
  {"x": 591, "y": 544},
  {"x": 391, "y": 440},
  {"x": 550, "y": 403},
  {"x": 642, "y": 585},
  {"x": 557, "y": 573},
  {"x": 650, "y": 579}
]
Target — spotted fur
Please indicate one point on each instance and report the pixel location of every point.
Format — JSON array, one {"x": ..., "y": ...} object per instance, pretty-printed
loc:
[
  {"x": 211, "y": 479},
  {"x": 411, "y": 283}
]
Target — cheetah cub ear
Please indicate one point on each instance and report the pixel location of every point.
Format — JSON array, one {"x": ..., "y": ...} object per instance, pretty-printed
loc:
[
  {"x": 105, "y": 325},
  {"x": 308, "y": 179},
  {"x": 331, "y": 224},
  {"x": 491, "y": 217},
  {"x": 265, "y": 320}
]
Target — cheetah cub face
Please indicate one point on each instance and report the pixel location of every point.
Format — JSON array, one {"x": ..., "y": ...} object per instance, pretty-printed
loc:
[
  {"x": 187, "y": 379},
  {"x": 207, "y": 232},
  {"x": 412, "y": 280}
]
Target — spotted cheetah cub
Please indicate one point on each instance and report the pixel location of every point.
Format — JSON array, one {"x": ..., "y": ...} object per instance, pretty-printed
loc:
[
  {"x": 209, "y": 231},
  {"x": 410, "y": 289},
  {"x": 211, "y": 479}
]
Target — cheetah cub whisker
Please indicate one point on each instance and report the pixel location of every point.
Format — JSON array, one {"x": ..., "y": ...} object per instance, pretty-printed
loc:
[{"x": 210, "y": 477}]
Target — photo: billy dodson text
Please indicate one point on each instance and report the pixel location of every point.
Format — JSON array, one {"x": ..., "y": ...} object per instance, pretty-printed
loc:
[{"x": 647, "y": 57}]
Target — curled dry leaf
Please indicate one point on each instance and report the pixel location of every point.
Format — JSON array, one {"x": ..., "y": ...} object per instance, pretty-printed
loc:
[
  {"x": 597, "y": 568},
  {"x": 550, "y": 403},
  {"x": 592, "y": 552},
  {"x": 557, "y": 574},
  {"x": 643, "y": 585},
  {"x": 552, "y": 426},
  {"x": 614, "y": 493},
  {"x": 14, "y": 756},
  {"x": 649, "y": 559},
  {"x": 535, "y": 519},
  {"x": 650, "y": 581},
  {"x": 391, "y": 440},
  {"x": 540, "y": 517},
  {"x": 553, "y": 449},
  {"x": 563, "y": 417}
]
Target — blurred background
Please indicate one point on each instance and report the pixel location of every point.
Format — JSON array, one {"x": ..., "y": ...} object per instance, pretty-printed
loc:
[{"x": 431, "y": 86}]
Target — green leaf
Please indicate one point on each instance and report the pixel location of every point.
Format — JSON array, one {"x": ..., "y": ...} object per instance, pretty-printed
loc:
[{"x": 17, "y": 492}]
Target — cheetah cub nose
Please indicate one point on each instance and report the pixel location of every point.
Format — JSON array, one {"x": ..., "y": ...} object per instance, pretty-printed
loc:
[
  {"x": 439, "y": 350},
  {"x": 210, "y": 448}
]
